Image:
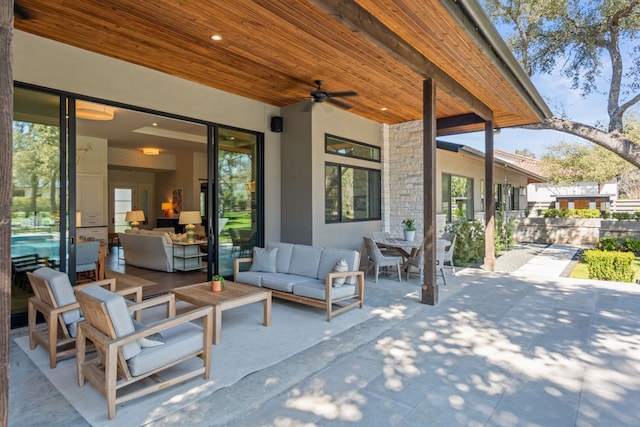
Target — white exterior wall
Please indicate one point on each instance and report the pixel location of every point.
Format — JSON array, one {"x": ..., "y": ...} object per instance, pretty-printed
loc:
[{"x": 545, "y": 192}]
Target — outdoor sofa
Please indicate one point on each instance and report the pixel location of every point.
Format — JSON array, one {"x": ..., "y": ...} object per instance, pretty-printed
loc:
[{"x": 320, "y": 277}]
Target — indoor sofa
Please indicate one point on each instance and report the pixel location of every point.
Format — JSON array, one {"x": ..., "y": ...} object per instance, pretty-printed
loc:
[
  {"x": 152, "y": 249},
  {"x": 321, "y": 277}
]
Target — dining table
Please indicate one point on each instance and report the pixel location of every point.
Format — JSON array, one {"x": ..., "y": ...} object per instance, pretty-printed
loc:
[{"x": 408, "y": 248}]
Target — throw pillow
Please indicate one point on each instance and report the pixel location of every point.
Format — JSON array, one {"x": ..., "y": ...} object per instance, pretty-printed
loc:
[
  {"x": 153, "y": 340},
  {"x": 340, "y": 267},
  {"x": 264, "y": 260}
]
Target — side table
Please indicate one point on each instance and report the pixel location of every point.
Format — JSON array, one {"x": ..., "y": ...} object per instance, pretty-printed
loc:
[{"x": 187, "y": 255}]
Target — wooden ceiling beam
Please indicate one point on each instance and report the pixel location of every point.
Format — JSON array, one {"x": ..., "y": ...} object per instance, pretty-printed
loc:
[
  {"x": 361, "y": 21},
  {"x": 458, "y": 121}
]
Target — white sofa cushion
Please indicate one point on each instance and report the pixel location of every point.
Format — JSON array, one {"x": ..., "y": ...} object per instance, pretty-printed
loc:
[
  {"x": 281, "y": 281},
  {"x": 305, "y": 261},
  {"x": 283, "y": 259},
  {"x": 250, "y": 277},
  {"x": 148, "y": 250},
  {"x": 316, "y": 289}
]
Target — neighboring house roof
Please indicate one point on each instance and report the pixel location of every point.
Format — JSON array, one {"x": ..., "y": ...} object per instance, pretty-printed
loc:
[
  {"x": 526, "y": 168},
  {"x": 523, "y": 162},
  {"x": 272, "y": 51}
]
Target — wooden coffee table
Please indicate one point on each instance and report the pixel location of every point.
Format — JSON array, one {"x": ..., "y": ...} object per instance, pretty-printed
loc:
[{"x": 236, "y": 295}]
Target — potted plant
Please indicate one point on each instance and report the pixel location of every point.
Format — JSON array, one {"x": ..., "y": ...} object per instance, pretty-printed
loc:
[
  {"x": 217, "y": 283},
  {"x": 409, "y": 229}
]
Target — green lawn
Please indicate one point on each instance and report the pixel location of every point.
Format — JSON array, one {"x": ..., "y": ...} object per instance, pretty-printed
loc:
[{"x": 239, "y": 220}]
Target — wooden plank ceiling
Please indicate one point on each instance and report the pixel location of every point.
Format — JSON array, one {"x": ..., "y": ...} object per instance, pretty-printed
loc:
[{"x": 273, "y": 50}]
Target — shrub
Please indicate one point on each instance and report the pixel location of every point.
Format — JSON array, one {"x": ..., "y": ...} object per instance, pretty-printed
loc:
[
  {"x": 610, "y": 265},
  {"x": 605, "y": 214},
  {"x": 572, "y": 213},
  {"x": 608, "y": 244},
  {"x": 469, "y": 249},
  {"x": 622, "y": 216},
  {"x": 588, "y": 213},
  {"x": 504, "y": 231},
  {"x": 631, "y": 245}
]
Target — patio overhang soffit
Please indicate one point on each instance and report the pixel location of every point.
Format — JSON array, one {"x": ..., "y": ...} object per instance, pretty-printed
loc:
[{"x": 272, "y": 51}]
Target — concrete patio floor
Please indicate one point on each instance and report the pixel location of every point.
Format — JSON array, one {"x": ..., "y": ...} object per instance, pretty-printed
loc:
[{"x": 525, "y": 348}]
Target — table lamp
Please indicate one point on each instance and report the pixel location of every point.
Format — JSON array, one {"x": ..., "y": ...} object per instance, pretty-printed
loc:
[
  {"x": 190, "y": 218},
  {"x": 134, "y": 218},
  {"x": 166, "y": 207}
]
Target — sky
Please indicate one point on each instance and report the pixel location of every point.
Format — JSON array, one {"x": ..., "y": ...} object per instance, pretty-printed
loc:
[{"x": 563, "y": 101}]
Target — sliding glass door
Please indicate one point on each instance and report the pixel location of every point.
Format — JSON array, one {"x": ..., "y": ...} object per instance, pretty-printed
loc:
[
  {"x": 36, "y": 213},
  {"x": 238, "y": 202}
]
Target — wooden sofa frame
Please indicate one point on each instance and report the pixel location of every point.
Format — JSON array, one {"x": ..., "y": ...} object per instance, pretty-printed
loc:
[{"x": 329, "y": 302}]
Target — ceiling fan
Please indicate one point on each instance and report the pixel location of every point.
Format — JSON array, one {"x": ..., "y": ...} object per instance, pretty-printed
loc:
[{"x": 319, "y": 95}]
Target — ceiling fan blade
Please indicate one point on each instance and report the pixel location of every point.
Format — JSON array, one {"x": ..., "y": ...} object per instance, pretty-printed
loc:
[
  {"x": 347, "y": 93},
  {"x": 339, "y": 103}
]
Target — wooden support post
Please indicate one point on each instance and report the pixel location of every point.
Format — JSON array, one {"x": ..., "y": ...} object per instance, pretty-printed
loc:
[
  {"x": 429, "y": 286},
  {"x": 6, "y": 155},
  {"x": 490, "y": 204}
]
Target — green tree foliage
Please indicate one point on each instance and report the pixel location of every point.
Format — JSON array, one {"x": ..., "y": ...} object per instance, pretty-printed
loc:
[
  {"x": 235, "y": 173},
  {"x": 577, "y": 38},
  {"x": 36, "y": 155},
  {"x": 571, "y": 162}
]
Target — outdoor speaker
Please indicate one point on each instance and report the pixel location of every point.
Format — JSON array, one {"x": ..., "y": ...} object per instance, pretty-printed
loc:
[{"x": 276, "y": 124}]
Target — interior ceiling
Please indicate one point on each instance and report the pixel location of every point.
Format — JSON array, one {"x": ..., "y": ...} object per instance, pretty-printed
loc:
[{"x": 272, "y": 51}]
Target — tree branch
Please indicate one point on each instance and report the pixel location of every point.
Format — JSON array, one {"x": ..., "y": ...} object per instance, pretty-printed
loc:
[{"x": 612, "y": 141}]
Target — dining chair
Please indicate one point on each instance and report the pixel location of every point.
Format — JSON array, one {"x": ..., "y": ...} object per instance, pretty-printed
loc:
[
  {"x": 378, "y": 237},
  {"x": 448, "y": 254},
  {"x": 417, "y": 260},
  {"x": 377, "y": 259},
  {"x": 87, "y": 254}
]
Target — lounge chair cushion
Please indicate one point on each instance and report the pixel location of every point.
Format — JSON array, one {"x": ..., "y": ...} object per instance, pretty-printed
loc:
[
  {"x": 62, "y": 292},
  {"x": 180, "y": 341},
  {"x": 116, "y": 307},
  {"x": 152, "y": 340}
]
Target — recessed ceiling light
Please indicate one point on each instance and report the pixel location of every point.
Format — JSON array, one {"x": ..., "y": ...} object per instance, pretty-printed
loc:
[
  {"x": 154, "y": 124},
  {"x": 384, "y": 109},
  {"x": 216, "y": 37}
]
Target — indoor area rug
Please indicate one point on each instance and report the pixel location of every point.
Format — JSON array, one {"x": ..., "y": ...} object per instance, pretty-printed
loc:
[
  {"x": 247, "y": 346},
  {"x": 127, "y": 280}
]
